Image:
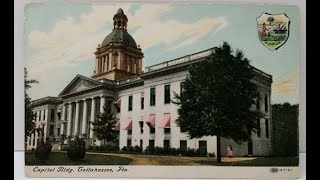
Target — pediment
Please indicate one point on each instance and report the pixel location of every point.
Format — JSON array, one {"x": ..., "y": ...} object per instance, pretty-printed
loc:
[{"x": 78, "y": 84}]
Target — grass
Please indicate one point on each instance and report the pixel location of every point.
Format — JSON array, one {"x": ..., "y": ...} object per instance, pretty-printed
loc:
[
  {"x": 59, "y": 158},
  {"x": 261, "y": 161}
]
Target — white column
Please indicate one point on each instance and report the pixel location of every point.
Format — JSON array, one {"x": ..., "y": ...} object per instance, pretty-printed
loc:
[
  {"x": 31, "y": 140},
  {"x": 110, "y": 61},
  {"x": 84, "y": 117},
  {"x": 69, "y": 120},
  {"x": 92, "y": 116},
  {"x": 76, "y": 122},
  {"x": 63, "y": 118},
  {"x": 36, "y": 134},
  {"x": 105, "y": 63},
  {"x": 42, "y": 115},
  {"x": 102, "y": 63},
  {"x": 46, "y": 124},
  {"x": 28, "y": 141},
  {"x": 102, "y": 103},
  {"x": 38, "y": 116}
]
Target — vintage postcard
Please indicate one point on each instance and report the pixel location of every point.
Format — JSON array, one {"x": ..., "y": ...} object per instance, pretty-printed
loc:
[{"x": 161, "y": 90}]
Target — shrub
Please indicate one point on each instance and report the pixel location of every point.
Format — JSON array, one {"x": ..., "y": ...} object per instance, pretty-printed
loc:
[
  {"x": 188, "y": 152},
  {"x": 137, "y": 149},
  {"x": 211, "y": 155},
  {"x": 42, "y": 152},
  {"x": 201, "y": 152},
  {"x": 149, "y": 150},
  {"x": 96, "y": 148},
  {"x": 158, "y": 150},
  {"x": 90, "y": 148},
  {"x": 111, "y": 148},
  {"x": 77, "y": 149},
  {"x": 174, "y": 151},
  {"x": 166, "y": 150},
  {"x": 130, "y": 149},
  {"x": 48, "y": 145},
  {"x": 125, "y": 149}
]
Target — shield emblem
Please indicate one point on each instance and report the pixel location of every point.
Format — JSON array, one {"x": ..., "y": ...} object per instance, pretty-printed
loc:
[{"x": 273, "y": 30}]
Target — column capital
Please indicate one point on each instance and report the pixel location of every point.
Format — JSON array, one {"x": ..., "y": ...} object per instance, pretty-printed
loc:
[
  {"x": 102, "y": 96},
  {"x": 92, "y": 97},
  {"x": 84, "y": 99}
]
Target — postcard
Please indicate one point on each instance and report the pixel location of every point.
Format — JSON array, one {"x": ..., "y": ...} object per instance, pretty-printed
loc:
[{"x": 141, "y": 90}]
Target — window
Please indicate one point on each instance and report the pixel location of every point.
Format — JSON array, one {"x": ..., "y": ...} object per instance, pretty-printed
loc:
[
  {"x": 267, "y": 128},
  {"x": 203, "y": 146},
  {"x": 58, "y": 131},
  {"x": 59, "y": 115},
  {"x": 167, "y": 94},
  {"x": 141, "y": 143},
  {"x": 117, "y": 104},
  {"x": 266, "y": 102},
  {"x": 130, "y": 103},
  {"x": 166, "y": 143},
  {"x": 182, "y": 86},
  {"x": 258, "y": 102},
  {"x": 151, "y": 143},
  {"x": 44, "y": 115},
  {"x": 152, "y": 130},
  {"x": 167, "y": 130},
  {"x": 141, "y": 126},
  {"x": 183, "y": 144},
  {"x": 152, "y": 96},
  {"x": 52, "y": 115},
  {"x": 129, "y": 142},
  {"x": 258, "y": 128},
  {"x": 142, "y": 102},
  {"x": 129, "y": 131},
  {"x": 51, "y": 130}
]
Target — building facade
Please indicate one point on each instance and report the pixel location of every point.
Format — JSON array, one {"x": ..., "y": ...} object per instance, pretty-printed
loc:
[{"x": 146, "y": 114}]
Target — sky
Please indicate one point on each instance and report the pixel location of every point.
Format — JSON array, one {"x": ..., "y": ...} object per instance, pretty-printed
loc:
[{"x": 60, "y": 39}]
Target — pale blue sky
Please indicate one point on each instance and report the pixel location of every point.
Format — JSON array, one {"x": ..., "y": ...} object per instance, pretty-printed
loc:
[{"x": 60, "y": 39}]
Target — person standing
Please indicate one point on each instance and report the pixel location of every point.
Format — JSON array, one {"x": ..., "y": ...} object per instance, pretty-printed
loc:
[{"x": 229, "y": 151}]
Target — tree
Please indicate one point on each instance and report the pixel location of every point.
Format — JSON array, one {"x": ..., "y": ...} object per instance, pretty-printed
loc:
[
  {"x": 217, "y": 97},
  {"x": 104, "y": 127},
  {"x": 270, "y": 19},
  {"x": 29, "y": 116},
  {"x": 285, "y": 129}
]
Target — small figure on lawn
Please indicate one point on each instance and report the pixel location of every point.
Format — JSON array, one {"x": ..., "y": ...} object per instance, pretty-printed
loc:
[{"x": 229, "y": 151}]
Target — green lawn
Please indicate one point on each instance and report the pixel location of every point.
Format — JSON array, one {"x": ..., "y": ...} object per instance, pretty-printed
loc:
[
  {"x": 58, "y": 158},
  {"x": 261, "y": 161}
]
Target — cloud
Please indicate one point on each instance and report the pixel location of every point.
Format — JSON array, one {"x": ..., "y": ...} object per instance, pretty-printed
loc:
[
  {"x": 153, "y": 31},
  {"x": 71, "y": 40},
  {"x": 287, "y": 83}
]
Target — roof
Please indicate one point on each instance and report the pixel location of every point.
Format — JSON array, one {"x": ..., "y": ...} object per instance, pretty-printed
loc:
[{"x": 119, "y": 36}]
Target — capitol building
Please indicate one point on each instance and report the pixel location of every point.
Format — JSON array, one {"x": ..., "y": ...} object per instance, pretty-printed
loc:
[{"x": 146, "y": 116}]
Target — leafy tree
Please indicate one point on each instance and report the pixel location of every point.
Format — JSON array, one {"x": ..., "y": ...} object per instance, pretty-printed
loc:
[
  {"x": 77, "y": 149},
  {"x": 270, "y": 19},
  {"x": 42, "y": 152},
  {"x": 217, "y": 97},
  {"x": 285, "y": 129},
  {"x": 29, "y": 116},
  {"x": 104, "y": 126}
]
